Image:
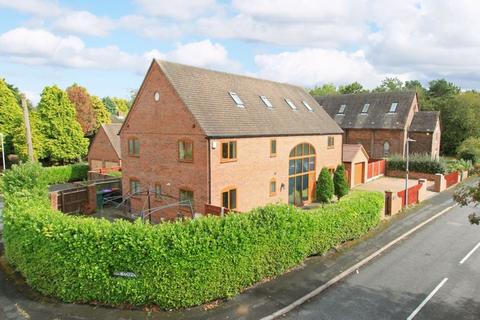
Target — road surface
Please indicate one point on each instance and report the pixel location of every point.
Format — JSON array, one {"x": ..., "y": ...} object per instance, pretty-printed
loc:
[{"x": 433, "y": 274}]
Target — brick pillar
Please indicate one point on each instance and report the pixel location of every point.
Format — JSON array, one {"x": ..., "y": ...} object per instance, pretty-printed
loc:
[
  {"x": 440, "y": 183},
  {"x": 422, "y": 189},
  {"x": 91, "y": 205},
  {"x": 54, "y": 200}
]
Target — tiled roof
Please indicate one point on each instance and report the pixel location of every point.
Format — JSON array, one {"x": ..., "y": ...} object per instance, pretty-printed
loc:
[
  {"x": 424, "y": 121},
  {"x": 378, "y": 115},
  {"x": 351, "y": 150},
  {"x": 112, "y": 130},
  {"x": 206, "y": 95}
]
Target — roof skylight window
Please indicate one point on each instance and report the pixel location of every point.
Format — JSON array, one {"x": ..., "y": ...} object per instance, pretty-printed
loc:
[
  {"x": 342, "y": 109},
  {"x": 290, "y": 103},
  {"x": 393, "y": 107},
  {"x": 305, "y": 103},
  {"x": 365, "y": 108},
  {"x": 266, "y": 101},
  {"x": 237, "y": 99}
]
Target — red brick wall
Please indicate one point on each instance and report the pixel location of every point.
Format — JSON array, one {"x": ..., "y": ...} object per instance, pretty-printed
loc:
[
  {"x": 101, "y": 149},
  {"x": 159, "y": 126},
  {"x": 254, "y": 169},
  {"x": 373, "y": 140}
]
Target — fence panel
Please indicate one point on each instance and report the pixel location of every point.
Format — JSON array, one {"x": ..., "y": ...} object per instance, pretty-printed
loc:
[
  {"x": 72, "y": 200},
  {"x": 451, "y": 179}
]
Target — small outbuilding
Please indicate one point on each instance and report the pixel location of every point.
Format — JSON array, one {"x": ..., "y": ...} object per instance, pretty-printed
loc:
[
  {"x": 355, "y": 159},
  {"x": 104, "y": 151}
]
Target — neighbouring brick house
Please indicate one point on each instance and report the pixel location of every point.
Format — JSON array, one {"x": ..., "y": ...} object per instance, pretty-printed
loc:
[
  {"x": 223, "y": 139},
  {"x": 381, "y": 122},
  {"x": 104, "y": 151}
]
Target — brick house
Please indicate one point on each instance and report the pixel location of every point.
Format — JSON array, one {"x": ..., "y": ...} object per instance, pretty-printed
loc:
[
  {"x": 381, "y": 122},
  {"x": 104, "y": 151},
  {"x": 222, "y": 139}
]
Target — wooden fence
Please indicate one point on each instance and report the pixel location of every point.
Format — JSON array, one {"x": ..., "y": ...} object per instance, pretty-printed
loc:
[
  {"x": 375, "y": 169},
  {"x": 412, "y": 195},
  {"x": 451, "y": 179},
  {"x": 72, "y": 200}
]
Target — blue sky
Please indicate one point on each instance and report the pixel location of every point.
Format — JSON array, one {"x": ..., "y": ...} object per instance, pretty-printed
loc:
[{"x": 106, "y": 46}]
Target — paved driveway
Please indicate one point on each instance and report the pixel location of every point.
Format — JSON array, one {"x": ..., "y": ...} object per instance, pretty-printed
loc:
[{"x": 393, "y": 184}]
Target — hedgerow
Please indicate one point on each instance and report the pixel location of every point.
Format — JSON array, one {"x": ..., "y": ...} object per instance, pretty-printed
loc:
[
  {"x": 67, "y": 173},
  {"x": 417, "y": 163},
  {"x": 177, "y": 264}
]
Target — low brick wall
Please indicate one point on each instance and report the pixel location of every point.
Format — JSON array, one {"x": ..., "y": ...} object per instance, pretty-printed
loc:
[{"x": 411, "y": 175}]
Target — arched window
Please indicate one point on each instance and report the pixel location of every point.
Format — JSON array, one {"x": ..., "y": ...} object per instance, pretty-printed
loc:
[
  {"x": 301, "y": 173},
  {"x": 386, "y": 149}
]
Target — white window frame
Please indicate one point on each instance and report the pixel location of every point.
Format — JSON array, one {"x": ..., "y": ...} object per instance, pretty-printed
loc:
[
  {"x": 305, "y": 103},
  {"x": 236, "y": 98},
  {"x": 290, "y": 104},
  {"x": 267, "y": 102}
]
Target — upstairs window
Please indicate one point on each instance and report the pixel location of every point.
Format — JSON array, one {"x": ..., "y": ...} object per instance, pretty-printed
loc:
[
  {"x": 393, "y": 107},
  {"x": 266, "y": 102},
  {"x": 273, "y": 148},
  {"x": 305, "y": 103},
  {"x": 133, "y": 147},
  {"x": 365, "y": 108},
  {"x": 229, "y": 199},
  {"x": 237, "y": 99},
  {"x": 386, "y": 149},
  {"x": 342, "y": 109},
  {"x": 290, "y": 103},
  {"x": 229, "y": 151},
  {"x": 185, "y": 150},
  {"x": 331, "y": 142}
]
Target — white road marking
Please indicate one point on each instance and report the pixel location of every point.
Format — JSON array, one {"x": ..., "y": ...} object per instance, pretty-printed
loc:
[
  {"x": 345, "y": 273},
  {"x": 470, "y": 253},
  {"x": 424, "y": 302}
]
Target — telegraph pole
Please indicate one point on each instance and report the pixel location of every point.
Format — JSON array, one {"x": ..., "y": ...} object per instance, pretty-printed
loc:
[{"x": 28, "y": 131}]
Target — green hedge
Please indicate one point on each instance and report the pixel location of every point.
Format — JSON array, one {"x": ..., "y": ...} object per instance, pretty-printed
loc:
[
  {"x": 67, "y": 173},
  {"x": 177, "y": 264},
  {"x": 417, "y": 163}
]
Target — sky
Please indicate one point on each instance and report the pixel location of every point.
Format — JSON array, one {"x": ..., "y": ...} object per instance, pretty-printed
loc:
[{"x": 108, "y": 45}]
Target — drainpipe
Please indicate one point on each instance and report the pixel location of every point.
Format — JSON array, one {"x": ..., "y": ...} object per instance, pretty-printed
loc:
[{"x": 209, "y": 173}]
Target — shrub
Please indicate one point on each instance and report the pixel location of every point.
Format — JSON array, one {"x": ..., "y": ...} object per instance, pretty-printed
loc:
[
  {"x": 67, "y": 173},
  {"x": 177, "y": 264},
  {"x": 470, "y": 150},
  {"x": 325, "y": 187},
  {"x": 459, "y": 165},
  {"x": 417, "y": 163},
  {"x": 340, "y": 181}
]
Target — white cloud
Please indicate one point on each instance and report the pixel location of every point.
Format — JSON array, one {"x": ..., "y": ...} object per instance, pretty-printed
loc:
[
  {"x": 37, "y": 7},
  {"x": 41, "y": 47},
  {"x": 310, "y": 67},
  {"x": 84, "y": 22},
  {"x": 179, "y": 9},
  {"x": 149, "y": 27}
]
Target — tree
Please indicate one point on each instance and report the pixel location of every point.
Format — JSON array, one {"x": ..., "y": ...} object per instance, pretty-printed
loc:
[
  {"x": 110, "y": 105},
  {"x": 325, "y": 187},
  {"x": 324, "y": 90},
  {"x": 84, "y": 112},
  {"x": 470, "y": 150},
  {"x": 442, "y": 88},
  {"x": 100, "y": 112},
  {"x": 390, "y": 84},
  {"x": 62, "y": 134},
  {"x": 413, "y": 85},
  {"x": 11, "y": 116},
  {"x": 121, "y": 105},
  {"x": 469, "y": 196},
  {"x": 340, "y": 182},
  {"x": 354, "y": 87}
]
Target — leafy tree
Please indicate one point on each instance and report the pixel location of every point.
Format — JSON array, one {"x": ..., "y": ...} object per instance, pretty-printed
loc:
[
  {"x": 354, "y": 87},
  {"x": 133, "y": 95},
  {"x": 470, "y": 150},
  {"x": 20, "y": 138},
  {"x": 121, "y": 105},
  {"x": 340, "y": 182},
  {"x": 11, "y": 116},
  {"x": 390, "y": 84},
  {"x": 100, "y": 111},
  {"x": 442, "y": 88},
  {"x": 413, "y": 85},
  {"x": 469, "y": 196},
  {"x": 62, "y": 134},
  {"x": 83, "y": 105},
  {"x": 326, "y": 89},
  {"x": 110, "y": 105},
  {"x": 325, "y": 187}
]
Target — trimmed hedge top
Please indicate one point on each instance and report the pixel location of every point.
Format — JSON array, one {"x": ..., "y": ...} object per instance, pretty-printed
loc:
[
  {"x": 172, "y": 265},
  {"x": 417, "y": 163}
]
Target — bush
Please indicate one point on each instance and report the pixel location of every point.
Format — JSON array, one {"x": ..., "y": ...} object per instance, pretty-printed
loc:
[
  {"x": 470, "y": 150},
  {"x": 67, "y": 173},
  {"x": 177, "y": 264},
  {"x": 459, "y": 165},
  {"x": 325, "y": 187},
  {"x": 340, "y": 183},
  {"x": 417, "y": 163}
]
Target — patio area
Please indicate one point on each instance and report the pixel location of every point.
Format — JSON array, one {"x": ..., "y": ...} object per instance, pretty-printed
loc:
[{"x": 394, "y": 184}]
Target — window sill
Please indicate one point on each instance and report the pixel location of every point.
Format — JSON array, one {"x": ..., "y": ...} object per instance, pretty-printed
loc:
[
  {"x": 273, "y": 155},
  {"x": 185, "y": 161},
  {"x": 227, "y": 160},
  {"x": 330, "y": 147},
  {"x": 134, "y": 155}
]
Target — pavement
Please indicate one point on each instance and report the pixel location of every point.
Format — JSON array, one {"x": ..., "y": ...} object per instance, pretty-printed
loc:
[{"x": 390, "y": 282}]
